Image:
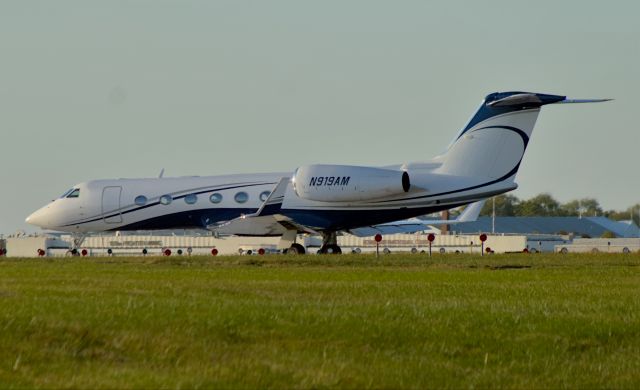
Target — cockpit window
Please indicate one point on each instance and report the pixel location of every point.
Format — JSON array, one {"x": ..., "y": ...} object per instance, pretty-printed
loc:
[
  {"x": 74, "y": 194},
  {"x": 67, "y": 192}
]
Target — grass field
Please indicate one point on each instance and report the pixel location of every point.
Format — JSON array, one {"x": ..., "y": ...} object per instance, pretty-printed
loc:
[{"x": 403, "y": 321}]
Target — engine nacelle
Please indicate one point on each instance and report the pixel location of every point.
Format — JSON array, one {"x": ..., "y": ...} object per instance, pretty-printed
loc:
[{"x": 347, "y": 183}]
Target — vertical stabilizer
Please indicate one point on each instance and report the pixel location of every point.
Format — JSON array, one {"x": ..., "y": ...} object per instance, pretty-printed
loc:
[{"x": 493, "y": 143}]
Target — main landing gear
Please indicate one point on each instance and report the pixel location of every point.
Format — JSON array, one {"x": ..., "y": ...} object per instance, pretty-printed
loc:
[
  {"x": 288, "y": 243},
  {"x": 330, "y": 244},
  {"x": 289, "y": 246}
]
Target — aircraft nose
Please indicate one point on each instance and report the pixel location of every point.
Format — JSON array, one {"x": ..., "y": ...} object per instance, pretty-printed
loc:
[{"x": 37, "y": 218}]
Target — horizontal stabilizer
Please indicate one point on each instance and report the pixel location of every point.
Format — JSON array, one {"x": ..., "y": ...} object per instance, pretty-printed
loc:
[
  {"x": 529, "y": 99},
  {"x": 565, "y": 101}
]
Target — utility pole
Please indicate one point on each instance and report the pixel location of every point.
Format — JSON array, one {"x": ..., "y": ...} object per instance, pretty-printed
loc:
[
  {"x": 579, "y": 209},
  {"x": 493, "y": 217}
]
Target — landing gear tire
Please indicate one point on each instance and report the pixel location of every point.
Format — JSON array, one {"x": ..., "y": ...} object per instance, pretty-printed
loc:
[
  {"x": 295, "y": 249},
  {"x": 331, "y": 249}
]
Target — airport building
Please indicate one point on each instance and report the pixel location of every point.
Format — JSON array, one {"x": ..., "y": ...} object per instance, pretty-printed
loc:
[
  {"x": 511, "y": 234},
  {"x": 600, "y": 245},
  {"x": 192, "y": 244},
  {"x": 585, "y": 227}
]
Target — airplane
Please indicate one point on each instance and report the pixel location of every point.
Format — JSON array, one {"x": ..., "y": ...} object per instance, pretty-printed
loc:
[{"x": 482, "y": 161}]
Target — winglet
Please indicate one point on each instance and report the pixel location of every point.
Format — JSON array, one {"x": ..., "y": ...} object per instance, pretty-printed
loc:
[
  {"x": 471, "y": 212},
  {"x": 275, "y": 198}
]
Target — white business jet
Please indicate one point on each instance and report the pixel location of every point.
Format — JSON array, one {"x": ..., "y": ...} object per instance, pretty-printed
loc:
[{"x": 482, "y": 161}]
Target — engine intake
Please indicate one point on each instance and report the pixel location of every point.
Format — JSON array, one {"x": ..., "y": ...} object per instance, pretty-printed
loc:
[{"x": 347, "y": 183}]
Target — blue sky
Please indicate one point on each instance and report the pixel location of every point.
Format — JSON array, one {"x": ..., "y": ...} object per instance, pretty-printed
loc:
[{"x": 112, "y": 89}]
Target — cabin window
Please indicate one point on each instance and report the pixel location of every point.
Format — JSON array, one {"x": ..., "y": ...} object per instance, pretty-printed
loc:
[
  {"x": 264, "y": 195},
  {"x": 241, "y": 197},
  {"x": 74, "y": 194},
  {"x": 140, "y": 200},
  {"x": 166, "y": 199},
  {"x": 191, "y": 199},
  {"x": 215, "y": 198}
]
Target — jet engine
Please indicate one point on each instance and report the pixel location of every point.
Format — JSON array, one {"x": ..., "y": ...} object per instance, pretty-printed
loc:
[{"x": 347, "y": 183}]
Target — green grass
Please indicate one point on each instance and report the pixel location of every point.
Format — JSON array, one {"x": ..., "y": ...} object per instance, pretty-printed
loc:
[{"x": 402, "y": 321}]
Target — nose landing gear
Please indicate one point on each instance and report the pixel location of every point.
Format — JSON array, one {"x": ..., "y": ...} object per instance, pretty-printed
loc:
[{"x": 78, "y": 238}]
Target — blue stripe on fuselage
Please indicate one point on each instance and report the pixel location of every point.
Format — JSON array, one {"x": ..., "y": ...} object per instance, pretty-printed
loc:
[
  {"x": 215, "y": 189},
  {"x": 191, "y": 219}
]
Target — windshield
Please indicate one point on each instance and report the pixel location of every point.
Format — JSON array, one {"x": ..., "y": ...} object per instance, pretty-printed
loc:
[
  {"x": 75, "y": 193},
  {"x": 67, "y": 192}
]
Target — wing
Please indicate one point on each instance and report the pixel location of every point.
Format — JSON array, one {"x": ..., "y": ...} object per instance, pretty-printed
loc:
[
  {"x": 470, "y": 214},
  {"x": 266, "y": 225}
]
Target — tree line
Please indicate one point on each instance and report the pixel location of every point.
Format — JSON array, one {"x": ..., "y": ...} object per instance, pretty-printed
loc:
[{"x": 544, "y": 205}]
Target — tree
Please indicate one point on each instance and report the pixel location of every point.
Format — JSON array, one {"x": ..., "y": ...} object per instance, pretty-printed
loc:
[
  {"x": 543, "y": 205},
  {"x": 506, "y": 205},
  {"x": 632, "y": 213},
  {"x": 636, "y": 213},
  {"x": 617, "y": 215},
  {"x": 585, "y": 206}
]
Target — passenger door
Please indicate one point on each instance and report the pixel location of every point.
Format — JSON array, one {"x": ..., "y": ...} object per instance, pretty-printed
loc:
[{"x": 111, "y": 204}]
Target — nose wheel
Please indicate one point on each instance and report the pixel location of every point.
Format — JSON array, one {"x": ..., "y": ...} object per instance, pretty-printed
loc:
[{"x": 78, "y": 239}]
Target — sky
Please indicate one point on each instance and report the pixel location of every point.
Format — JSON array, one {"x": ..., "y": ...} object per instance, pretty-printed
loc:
[{"x": 111, "y": 89}]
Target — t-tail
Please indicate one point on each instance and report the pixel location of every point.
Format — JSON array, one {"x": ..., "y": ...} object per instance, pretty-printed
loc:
[{"x": 493, "y": 143}]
